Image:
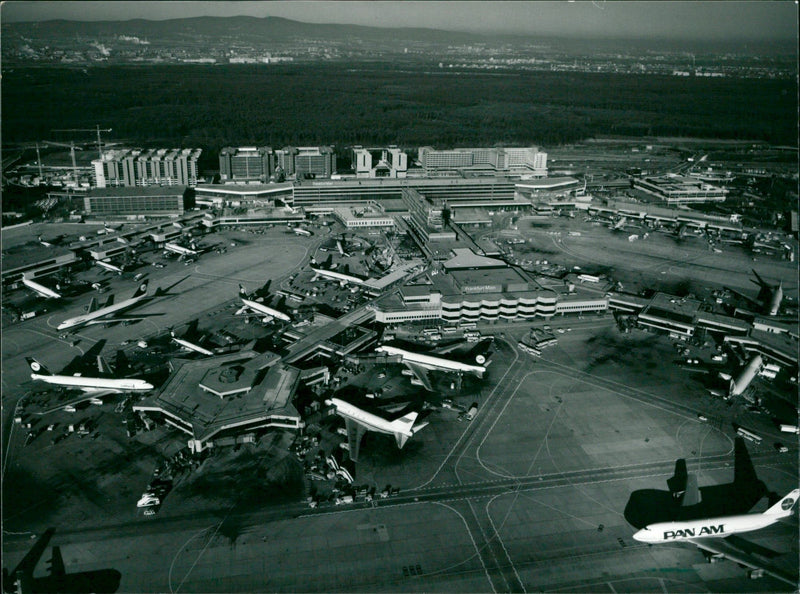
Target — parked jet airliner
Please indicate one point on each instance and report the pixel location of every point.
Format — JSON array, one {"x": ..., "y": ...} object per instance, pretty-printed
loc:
[
  {"x": 358, "y": 421},
  {"x": 259, "y": 308},
  {"x": 419, "y": 363},
  {"x": 40, "y": 289},
  {"x": 100, "y": 316},
  {"x": 87, "y": 384},
  {"x": 717, "y": 527}
]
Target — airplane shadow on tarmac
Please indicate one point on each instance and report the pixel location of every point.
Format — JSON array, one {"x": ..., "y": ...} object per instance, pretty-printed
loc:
[
  {"x": 684, "y": 501},
  {"x": 57, "y": 580}
]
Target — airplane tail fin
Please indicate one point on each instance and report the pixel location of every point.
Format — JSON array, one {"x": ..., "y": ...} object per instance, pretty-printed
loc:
[
  {"x": 784, "y": 507},
  {"x": 242, "y": 291},
  {"x": 142, "y": 290},
  {"x": 760, "y": 280},
  {"x": 37, "y": 367}
]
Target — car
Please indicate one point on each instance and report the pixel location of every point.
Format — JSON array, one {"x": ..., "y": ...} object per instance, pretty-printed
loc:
[
  {"x": 781, "y": 448},
  {"x": 702, "y": 418}
]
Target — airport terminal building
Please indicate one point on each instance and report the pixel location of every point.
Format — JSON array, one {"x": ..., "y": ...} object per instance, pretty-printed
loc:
[
  {"x": 475, "y": 288},
  {"x": 225, "y": 396}
]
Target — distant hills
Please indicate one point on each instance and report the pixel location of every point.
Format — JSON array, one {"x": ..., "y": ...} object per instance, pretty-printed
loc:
[{"x": 243, "y": 27}]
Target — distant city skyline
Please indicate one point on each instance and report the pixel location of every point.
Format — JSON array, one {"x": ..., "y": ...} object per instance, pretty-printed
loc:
[{"x": 713, "y": 20}]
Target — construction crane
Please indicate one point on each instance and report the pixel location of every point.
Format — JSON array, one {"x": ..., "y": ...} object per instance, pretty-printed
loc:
[
  {"x": 72, "y": 149},
  {"x": 95, "y": 129}
]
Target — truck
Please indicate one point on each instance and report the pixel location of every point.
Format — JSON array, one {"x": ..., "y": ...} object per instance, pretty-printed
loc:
[{"x": 472, "y": 411}]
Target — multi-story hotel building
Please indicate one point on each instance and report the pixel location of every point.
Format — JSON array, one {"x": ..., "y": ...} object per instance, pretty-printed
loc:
[
  {"x": 246, "y": 164},
  {"x": 307, "y": 161},
  {"x": 522, "y": 161},
  {"x": 152, "y": 167},
  {"x": 388, "y": 162}
]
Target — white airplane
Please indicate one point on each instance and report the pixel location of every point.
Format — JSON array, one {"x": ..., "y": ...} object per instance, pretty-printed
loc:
[
  {"x": 180, "y": 250},
  {"x": 100, "y": 316},
  {"x": 96, "y": 386},
  {"x": 419, "y": 364},
  {"x": 358, "y": 421},
  {"x": 190, "y": 346},
  {"x": 259, "y": 308},
  {"x": 301, "y": 231},
  {"x": 109, "y": 266},
  {"x": 40, "y": 289},
  {"x": 698, "y": 530}
]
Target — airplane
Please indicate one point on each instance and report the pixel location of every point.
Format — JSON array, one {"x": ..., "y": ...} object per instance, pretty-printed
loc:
[
  {"x": 21, "y": 579},
  {"x": 719, "y": 527},
  {"x": 259, "y": 309},
  {"x": 112, "y": 228},
  {"x": 99, "y": 316},
  {"x": 686, "y": 505},
  {"x": 358, "y": 420},
  {"x": 40, "y": 289},
  {"x": 52, "y": 242},
  {"x": 181, "y": 250},
  {"x": 301, "y": 231},
  {"x": 188, "y": 344},
  {"x": 109, "y": 266},
  {"x": 769, "y": 299},
  {"x": 419, "y": 363},
  {"x": 94, "y": 386}
]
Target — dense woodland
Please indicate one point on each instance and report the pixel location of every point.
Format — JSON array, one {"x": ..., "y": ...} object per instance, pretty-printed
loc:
[{"x": 374, "y": 104}]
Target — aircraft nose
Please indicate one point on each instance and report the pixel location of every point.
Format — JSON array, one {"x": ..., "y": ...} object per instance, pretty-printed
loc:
[
  {"x": 643, "y": 535},
  {"x": 147, "y": 386}
]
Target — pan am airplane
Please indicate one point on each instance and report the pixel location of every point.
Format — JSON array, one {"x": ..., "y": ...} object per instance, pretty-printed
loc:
[
  {"x": 358, "y": 421},
  {"x": 420, "y": 364}
]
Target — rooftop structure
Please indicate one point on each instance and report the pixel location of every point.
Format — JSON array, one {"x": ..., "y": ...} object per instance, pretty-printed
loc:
[{"x": 226, "y": 395}]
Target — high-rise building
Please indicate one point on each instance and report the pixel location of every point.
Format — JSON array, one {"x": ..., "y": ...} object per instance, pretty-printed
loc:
[
  {"x": 152, "y": 167},
  {"x": 246, "y": 164},
  {"x": 388, "y": 162},
  {"x": 522, "y": 161},
  {"x": 307, "y": 161}
]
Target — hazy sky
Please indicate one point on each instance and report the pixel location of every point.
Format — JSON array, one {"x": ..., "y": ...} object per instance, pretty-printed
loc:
[{"x": 762, "y": 19}]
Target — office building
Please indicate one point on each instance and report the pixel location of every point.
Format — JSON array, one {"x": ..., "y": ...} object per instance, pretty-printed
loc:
[
  {"x": 246, "y": 164},
  {"x": 307, "y": 162},
  {"x": 371, "y": 163},
  {"x": 152, "y": 167},
  {"x": 528, "y": 161}
]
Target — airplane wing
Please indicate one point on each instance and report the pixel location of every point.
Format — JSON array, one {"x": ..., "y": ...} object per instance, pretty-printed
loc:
[
  {"x": 57, "y": 563},
  {"x": 113, "y": 320},
  {"x": 757, "y": 305},
  {"x": 421, "y": 374},
  {"x": 31, "y": 558},
  {"x": 97, "y": 392},
  {"x": 720, "y": 546},
  {"x": 103, "y": 366},
  {"x": 354, "y": 434}
]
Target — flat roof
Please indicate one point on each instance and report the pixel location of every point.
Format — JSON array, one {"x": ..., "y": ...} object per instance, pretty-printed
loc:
[
  {"x": 138, "y": 191},
  {"x": 546, "y": 183},
  {"x": 251, "y": 398},
  {"x": 240, "y": 189},
  {"x": 466, "y": 258},
  {"x": 487, "y": 276},
  {"x": 679, "y": 309}
]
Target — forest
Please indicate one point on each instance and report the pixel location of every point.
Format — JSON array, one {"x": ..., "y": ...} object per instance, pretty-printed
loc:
[{"x": 375, "y": 104}]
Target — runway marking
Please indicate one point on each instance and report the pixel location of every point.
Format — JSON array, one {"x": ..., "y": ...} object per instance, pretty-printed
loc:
[
  {"x": 499, "y": 539},
  {"x": 474, "y": 544},
  {"x": 175, "y": 558}
]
